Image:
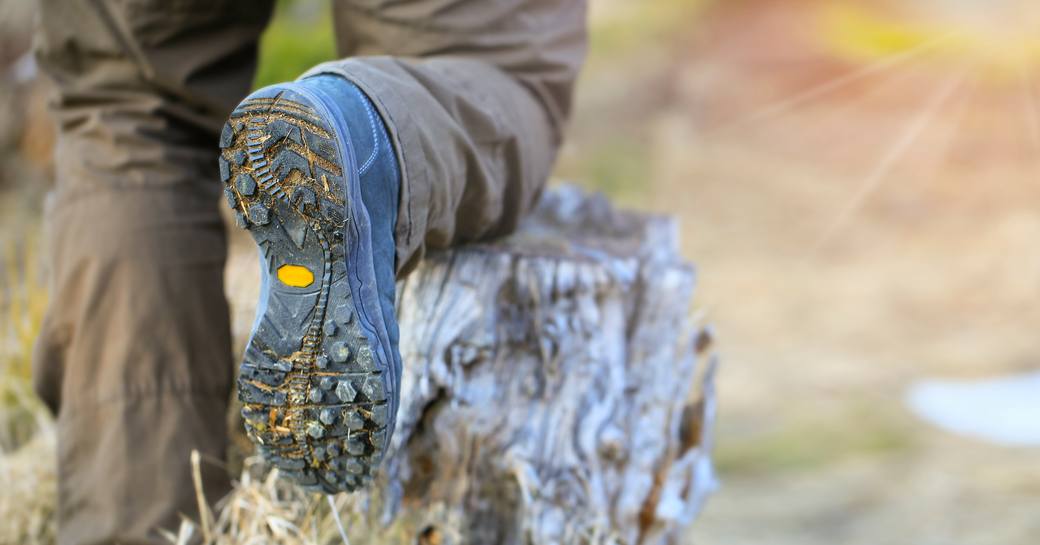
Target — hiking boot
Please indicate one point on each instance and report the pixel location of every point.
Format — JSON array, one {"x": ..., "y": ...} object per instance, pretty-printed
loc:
[{"x": 310, "y": 172}]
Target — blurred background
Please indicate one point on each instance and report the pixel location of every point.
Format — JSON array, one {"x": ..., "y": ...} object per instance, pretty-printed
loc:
[{"x": 858, "y": 185}]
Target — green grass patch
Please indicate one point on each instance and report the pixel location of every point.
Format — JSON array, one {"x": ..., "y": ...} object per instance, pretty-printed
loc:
[
  {"x": 630, "y": 27},
  {"x": 812, "y": 443},
  {"x": 619, "y": 166},
  {"x": 296, "y": 40}
]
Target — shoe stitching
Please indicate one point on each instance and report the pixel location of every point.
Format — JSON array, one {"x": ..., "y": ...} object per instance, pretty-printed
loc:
[{"x": 375, "y": 137}]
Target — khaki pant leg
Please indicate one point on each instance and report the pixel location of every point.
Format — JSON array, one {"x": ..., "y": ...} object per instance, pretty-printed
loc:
[
  {"x": 476, "y": 94},
  {"x": 134, "y": 356}
]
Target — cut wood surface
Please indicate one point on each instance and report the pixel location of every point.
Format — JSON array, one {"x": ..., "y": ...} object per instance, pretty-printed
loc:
[{"x": 557, "y": 389}]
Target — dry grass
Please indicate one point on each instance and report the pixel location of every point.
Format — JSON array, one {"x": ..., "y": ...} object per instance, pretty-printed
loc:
[
  {"x": 27, "y": 503},
  {"x": 27, "y": 439},
  {"x": 264, "y": 508},
  {"x": 261, "y": 509}
]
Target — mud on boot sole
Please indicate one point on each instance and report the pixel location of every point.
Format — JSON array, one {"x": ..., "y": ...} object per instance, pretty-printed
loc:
[{"x": 314, "y": 382}]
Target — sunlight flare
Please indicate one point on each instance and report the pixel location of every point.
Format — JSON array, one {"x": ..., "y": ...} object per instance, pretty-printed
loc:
[
  {"x": 892, "y": 156},
  {"x": 887, "y": 63},
  {"x": 1000, "y": 37}
]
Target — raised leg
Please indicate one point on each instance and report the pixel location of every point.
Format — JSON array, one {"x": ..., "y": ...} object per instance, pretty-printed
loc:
[{"x": 476, "y": 96}]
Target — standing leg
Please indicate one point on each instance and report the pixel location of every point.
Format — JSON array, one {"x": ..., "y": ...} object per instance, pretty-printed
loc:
[{"x": 134, "y": 354}]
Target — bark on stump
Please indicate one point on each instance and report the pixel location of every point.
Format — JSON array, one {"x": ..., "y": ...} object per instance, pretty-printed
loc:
[{"x": 557, "y": 386}]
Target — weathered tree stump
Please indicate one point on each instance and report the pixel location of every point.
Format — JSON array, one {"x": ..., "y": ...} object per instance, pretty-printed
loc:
[{"x": 555, "y": 388}]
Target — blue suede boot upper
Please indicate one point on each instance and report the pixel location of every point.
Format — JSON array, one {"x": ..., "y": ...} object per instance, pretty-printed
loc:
[{"x": 380, "y": 180}]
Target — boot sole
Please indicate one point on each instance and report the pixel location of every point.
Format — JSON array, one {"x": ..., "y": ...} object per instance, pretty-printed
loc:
[{"x": 315, "y": 383}]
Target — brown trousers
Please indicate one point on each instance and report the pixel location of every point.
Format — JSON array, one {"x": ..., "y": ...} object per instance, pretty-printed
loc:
[{"x": 134, "y": 357}]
